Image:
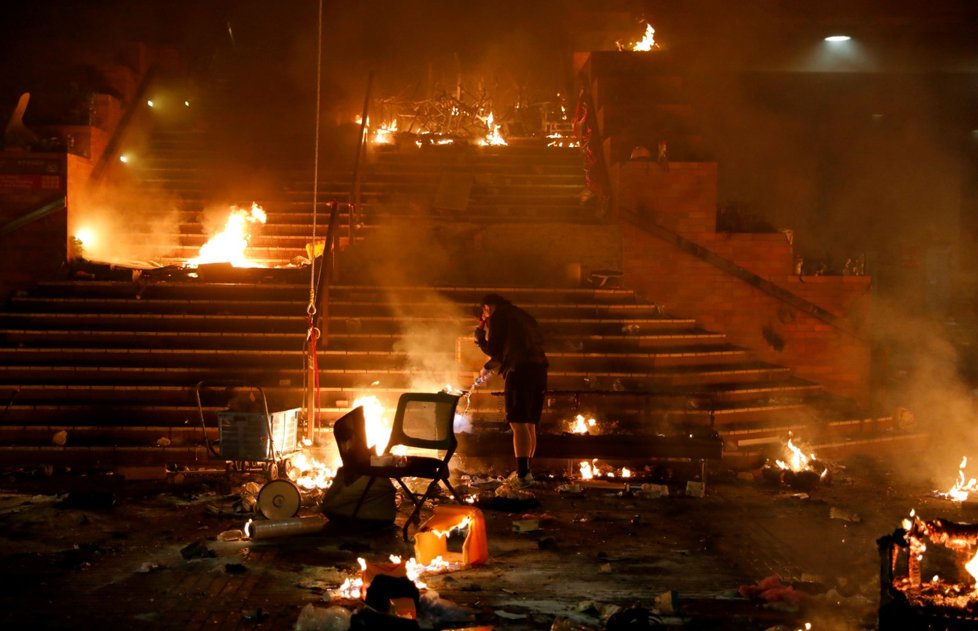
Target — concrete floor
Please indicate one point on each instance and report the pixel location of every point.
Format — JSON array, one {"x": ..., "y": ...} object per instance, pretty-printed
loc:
[{"x": 96, "y": 552}]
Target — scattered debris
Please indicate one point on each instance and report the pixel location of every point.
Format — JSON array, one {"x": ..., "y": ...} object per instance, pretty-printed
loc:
[
  {"x": 547, "y": 543},
  {"x": 197, "y": 550},
  {"x": 231, "y": 535},
  {"x": 770, "y": 589},
  {"x": 313, "y": 618},
  {"x": 844, "y": 515},
  {"x": 506, "y": 615}
]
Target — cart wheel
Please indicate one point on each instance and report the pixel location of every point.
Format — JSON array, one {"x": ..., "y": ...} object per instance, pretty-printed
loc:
[{"x": 272, "y": 471}]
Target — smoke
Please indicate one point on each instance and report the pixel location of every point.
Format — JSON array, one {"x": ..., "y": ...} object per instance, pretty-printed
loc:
[
  {"x": 120, "y": 226},
  {"x": 429, "y": 337},
  {"x": 921, "y": 369}
]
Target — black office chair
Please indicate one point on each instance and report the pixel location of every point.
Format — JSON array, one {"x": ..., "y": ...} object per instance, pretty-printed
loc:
[{"x": 423, "y": 423}]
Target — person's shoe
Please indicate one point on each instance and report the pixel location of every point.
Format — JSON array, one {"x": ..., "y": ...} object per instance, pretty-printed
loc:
[{"x": 517, "y": 482}]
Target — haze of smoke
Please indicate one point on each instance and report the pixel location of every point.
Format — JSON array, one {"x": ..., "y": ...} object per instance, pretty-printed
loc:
[
  {"x": 923, "y": 363},
  {"x": 127, "y": 227},
  {"x": 429, "y": 345}
]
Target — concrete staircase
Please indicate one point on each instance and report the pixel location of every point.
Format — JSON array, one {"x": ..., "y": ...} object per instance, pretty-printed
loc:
[
  {"x": 113, "y": 358},
  {"x": 116, "y": 363}
]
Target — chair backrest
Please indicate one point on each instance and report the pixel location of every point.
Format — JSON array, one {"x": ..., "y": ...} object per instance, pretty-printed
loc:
[
  {"x": 350, "y": 432},
  {"x": 426, "y": 421}
]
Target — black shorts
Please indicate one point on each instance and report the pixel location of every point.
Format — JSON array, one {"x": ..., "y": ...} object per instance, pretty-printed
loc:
[{"x": 524, "y": 393}]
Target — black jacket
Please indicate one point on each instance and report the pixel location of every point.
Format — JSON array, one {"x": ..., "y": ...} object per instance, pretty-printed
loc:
[{"x": 511, "y": 337}]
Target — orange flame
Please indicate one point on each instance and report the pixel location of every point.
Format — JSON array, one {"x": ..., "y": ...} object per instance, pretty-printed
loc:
[
  {"x": 581, "y": 425},
  {"x": 972, "y": 567},
  {"x": 378, "y": 425},
  {"x": 493, "y": 137},
  {"x": 647, "y": 42},
  {"x": 309, "y": 473},
  {"x": 229, "y": 245},
  {"x": 963, "y": 487},
  {"x": 797, "y": 460}
]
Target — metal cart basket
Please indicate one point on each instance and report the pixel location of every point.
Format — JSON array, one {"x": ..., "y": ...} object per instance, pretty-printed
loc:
[{"x": 253, "y": 437}]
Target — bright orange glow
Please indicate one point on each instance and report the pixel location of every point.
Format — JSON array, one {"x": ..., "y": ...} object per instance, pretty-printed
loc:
[
  {"x": 378, "y": 424},
  {"x": 309, "y": 473},
  {"x": 493, "y": 136},
  {"x": 796, "y": 460},
  {"x": 963, "y": 487},
  {"x": 972, "y": 567},
  {"x": 581, "y": 425},
  {"x": 385, "y": 135},
  {"x": 647, "y": 42},
  {"x": 229, "y": 245}
]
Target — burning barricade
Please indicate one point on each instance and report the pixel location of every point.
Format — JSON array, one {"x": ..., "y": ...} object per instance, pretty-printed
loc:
[{"x": 928, "y": 575}]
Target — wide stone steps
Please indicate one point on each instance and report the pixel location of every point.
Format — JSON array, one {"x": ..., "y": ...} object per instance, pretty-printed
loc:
[{"x": 117, "y": 352}]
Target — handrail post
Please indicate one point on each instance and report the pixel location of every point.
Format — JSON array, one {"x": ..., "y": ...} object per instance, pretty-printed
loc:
[{"x": 354, "y": 218}]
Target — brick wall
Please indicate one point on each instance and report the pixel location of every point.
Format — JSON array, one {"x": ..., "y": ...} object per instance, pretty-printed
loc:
[
  {"x": 750, "y": 317},
  {"x": 681, "y": 196}
]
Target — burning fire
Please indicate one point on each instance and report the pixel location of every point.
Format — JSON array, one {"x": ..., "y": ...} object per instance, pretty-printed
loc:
[
  {"x": 309, "y": 473},
  {"x": 378, "y": 424},
  {"x": 229, "y": 245},
  {"x": 963, "y": 487},
  {"x": 493, "y": 137},
  {"x": 590, "y": 470},
  {"x": 647, "y": 42},
  {"x": 385, "y": 135},
  {"x": 582, "y": 425},
  {"x": 353, "y": 588},
  {"x": 797, "y": 460}
]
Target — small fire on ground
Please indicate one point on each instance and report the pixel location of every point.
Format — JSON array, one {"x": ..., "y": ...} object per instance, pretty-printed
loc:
[
  {"x": 798, "y": 467},
  {"x": 962, "y": 489},
  {"x": 592, "y": 469}
]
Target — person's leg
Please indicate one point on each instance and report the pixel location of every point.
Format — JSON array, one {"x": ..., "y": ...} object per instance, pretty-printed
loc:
[{"x": 522, "y": 445}]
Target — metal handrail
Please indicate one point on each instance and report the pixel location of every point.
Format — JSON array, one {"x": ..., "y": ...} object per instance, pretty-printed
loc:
[
  {"x": 354, "y": 218},
  {"x": 775, "y": 291},
  {"x": 34, "y": 215},
  {"x": 595, "y": 143},
  {"x": 112, "y": 146}
]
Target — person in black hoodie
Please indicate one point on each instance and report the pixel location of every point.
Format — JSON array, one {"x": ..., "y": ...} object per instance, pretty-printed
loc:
[{"x": 511, "y": 338}]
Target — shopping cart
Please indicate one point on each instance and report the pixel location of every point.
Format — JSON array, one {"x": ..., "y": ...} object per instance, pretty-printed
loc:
[{"x": 249, "y": 436}]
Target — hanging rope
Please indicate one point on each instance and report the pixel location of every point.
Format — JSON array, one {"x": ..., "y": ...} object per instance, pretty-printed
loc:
[{"x": 313, "y": 332}]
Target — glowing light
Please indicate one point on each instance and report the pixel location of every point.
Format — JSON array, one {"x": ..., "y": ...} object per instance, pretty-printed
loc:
[
  {"x": 837, "y": 38},
  {"x": 581, "y": 425},
  {"x": 124, "y": 159},
  {"x": 228, "y": 246},
  {"x": 150, "y": 103},
  {"x": 86, "y": 236},
  {"x": 964, "y": 486},
  {"x": 647, "y": 42},
  {"x": 493, "y": 137},
  {"x": 378, "y": 425},
  {"x": 186, "y": 103},
  {"x": 385, "y": 135},
  {"x": 309, "y": 473}
]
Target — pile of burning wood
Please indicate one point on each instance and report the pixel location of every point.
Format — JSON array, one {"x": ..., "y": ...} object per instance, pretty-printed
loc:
[
  {"x": 796, "y": 469},
  {"x": 938, "y": 587}
]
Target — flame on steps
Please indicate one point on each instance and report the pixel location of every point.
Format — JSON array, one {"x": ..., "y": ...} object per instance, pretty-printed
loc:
[{"x": 229, "y": 245}]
